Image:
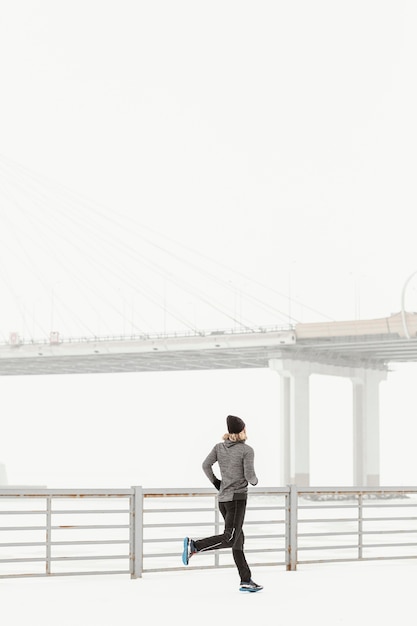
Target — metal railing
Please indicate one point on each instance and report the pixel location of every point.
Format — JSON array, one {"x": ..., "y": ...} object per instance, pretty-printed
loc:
[
  {"x": 55, "y": 338},
  {"x": 60, "y": 532},
  {"x": 45, "y": 532},
  {"x": 195, "y": 513},
  {"x": 352, "y": 524}
]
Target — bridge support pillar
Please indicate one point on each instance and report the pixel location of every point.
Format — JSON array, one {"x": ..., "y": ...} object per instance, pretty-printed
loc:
[
  {"x": 295, "y": 419},
  {"x": 3, "y": 475},
  {"x": 366, "y": 426}
]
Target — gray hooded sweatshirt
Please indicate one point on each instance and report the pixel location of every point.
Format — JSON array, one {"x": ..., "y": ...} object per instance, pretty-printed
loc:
[{"x": 236, "y": 462}]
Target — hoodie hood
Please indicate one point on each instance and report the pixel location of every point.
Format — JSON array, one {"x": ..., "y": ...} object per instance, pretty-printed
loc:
[{"x": 230, "y": 444}]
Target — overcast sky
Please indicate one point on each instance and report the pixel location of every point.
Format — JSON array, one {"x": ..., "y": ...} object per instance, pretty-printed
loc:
[
  {"x": 276, "y": 138},
  {"x": 266, "y": 151}
]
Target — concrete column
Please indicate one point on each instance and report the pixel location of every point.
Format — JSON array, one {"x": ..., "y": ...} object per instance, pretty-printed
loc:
[
  {"x": 3, "y": 475},
  {"x": 366, "y": 444},
  {"x": 285, "y": 430},
  {"x": 295, "y": 421},
  {"x": 300, "y": 428}
]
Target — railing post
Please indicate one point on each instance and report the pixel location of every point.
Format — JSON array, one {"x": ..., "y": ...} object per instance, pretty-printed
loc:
[
  {"x": 136, "y": 533},
  {"x": 360, "y": 526},
  {"x": 216, "y": 529},
  {"x": 291, "y": 529},
  {"x": 48, "y": 534}
]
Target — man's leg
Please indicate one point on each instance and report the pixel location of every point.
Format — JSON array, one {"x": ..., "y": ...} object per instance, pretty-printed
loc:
[
  {"x": 234, "y": 514},
  {"x": 237, "y": 550},
  {"x": 240, "y": 559}
]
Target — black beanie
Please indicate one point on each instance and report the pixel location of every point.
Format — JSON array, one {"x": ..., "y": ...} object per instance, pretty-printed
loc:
[{"x": 235, "y": 424}]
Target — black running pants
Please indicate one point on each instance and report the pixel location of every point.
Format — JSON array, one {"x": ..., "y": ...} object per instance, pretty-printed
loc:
[{"x": 232, "y": 537}]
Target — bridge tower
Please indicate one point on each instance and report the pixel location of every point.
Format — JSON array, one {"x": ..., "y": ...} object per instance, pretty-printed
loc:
[{"x": 295, "y": 418}]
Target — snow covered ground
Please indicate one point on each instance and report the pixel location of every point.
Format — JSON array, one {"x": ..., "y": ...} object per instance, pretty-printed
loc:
[{"x": 327, "y": 595}]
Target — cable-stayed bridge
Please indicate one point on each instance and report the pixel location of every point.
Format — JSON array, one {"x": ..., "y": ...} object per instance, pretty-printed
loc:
[
  {"x": 68, "y": 263},
  {"x": 81, "y": 266},
  {"x": 356, "y": 343}
]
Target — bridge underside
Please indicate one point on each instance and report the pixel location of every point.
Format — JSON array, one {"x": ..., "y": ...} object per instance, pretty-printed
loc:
[
  {"x": 135, "y": 362},
  {"x": 98, "y": 357}
]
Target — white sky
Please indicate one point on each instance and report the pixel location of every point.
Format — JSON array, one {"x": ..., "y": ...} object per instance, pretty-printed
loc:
[{"x": 275, "y": 138}]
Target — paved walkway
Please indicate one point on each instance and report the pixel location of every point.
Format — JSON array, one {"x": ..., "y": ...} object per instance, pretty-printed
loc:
[{"x": 328, "y": 595}]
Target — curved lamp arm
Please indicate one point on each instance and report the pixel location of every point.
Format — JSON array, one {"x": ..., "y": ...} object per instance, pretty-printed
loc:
[{"x": 407, "y": 334}]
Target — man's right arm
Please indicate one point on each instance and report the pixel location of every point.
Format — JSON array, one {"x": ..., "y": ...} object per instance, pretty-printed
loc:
[{"x": 249, "y": 466}]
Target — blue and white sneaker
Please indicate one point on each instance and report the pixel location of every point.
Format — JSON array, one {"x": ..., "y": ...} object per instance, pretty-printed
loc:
[
  {"x": 250, "y": 586},
  {"x": 188, "y": 551}
]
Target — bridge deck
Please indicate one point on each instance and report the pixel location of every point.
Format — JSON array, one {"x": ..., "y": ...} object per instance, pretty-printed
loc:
[{"x": 224, "y": 350}]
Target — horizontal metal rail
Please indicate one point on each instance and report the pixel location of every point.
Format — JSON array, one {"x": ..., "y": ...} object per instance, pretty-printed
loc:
[{"x": 58, "y": 532}]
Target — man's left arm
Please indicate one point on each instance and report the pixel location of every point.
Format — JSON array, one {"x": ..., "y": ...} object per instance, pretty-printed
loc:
[{"x": 208, "y": 463}]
